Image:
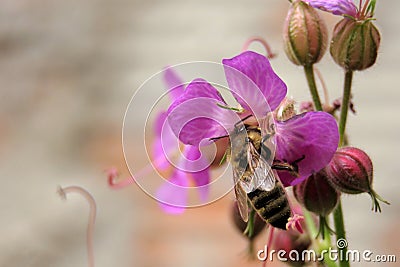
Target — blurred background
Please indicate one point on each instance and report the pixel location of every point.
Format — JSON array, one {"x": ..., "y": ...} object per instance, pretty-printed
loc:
[{"x": 67, "y": 72}]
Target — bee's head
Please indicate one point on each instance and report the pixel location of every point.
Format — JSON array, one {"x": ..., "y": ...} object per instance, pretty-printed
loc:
[{"x": 240, "y": 127}]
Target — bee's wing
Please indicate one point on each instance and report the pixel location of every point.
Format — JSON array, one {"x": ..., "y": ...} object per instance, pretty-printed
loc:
[
  {"x": 241, "y": 198},
  {"x": 263, "y": 176},
  {"x": 268, "y": 145},
  {"x": 239, "y": 159}
]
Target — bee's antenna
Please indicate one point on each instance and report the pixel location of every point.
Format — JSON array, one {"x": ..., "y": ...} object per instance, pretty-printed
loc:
[
  {"x": 219, "y": 137},
  {"x": 245, "y": 118},
  {"x": 242, "y": 120}
]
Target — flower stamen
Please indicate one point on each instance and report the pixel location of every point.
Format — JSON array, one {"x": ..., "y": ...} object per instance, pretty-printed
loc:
[{"x": 295, "y": 223}]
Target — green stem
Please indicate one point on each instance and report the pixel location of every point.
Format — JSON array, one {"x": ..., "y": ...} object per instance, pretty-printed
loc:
[
  {"x": 309, "y": 71},
  {"x": 313, "y": 232},
  {"x": 338, "y": 213},
  {"x": 340, "y": 233},
  {"x": 312, "y": 229},
  {"x": 328, "y": 262},
  {"x": 328, "y": 232},
  {"x": 249, "y": 231},
  {"x": 250, "y": 249},
  {"x": 345, "y": 105}
]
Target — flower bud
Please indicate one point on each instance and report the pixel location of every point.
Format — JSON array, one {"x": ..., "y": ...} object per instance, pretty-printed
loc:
[
  {"x": 259, "y": 223},
  {"x": 304, "y": 34},
  {"x": 316, "y": 194},
  {"x": 351, "y": 171},
  {"x": 355, "y": 44}
]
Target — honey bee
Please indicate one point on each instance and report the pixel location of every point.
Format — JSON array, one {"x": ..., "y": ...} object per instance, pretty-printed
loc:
[{"x": 254, "y": 173}]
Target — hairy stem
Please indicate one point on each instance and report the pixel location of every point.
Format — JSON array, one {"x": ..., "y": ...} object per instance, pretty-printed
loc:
[
  {"x": 92, "y": 216},
  {"x": 309, "y": 71}
]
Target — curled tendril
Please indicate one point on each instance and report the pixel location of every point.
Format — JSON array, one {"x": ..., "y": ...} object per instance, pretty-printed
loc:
[
  {"x": 264, "y": 43},
  {"x": 114, "y": 182},
  {"x": 63, "y": 192}
]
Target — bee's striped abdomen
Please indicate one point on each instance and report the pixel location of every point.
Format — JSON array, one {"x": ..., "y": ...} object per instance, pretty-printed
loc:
[{"x": 272, "y": 205}]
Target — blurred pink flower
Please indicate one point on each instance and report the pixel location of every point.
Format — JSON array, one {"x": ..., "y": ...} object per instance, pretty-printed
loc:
[{"x": 173, "y": 193}]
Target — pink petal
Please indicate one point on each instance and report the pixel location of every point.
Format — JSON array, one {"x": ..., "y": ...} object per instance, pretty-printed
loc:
[
  {"x": 159, "y": 122},
  {"x": 174, "y": 83},
  {"x": 173, "y": 194},
  {"x": 336, "y": 7},
  {"x": 201, "y": 176},
  {"x": 313, "y": 135},
  {"x": 165, "y": 143},
  {"x": 193, "y": 160},
  {"x": 196, "y": 116},
  {"x": 259, "y": 87},
  {"x": 160, "y": 159}
]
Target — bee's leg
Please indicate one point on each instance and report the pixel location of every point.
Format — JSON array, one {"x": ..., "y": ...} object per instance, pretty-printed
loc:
[
  {"x": 282, "y": 166},
  {"x": 217, "y": 138},
  {"x": 294, "y": 163},
  {"x": 293, "y": 168}
]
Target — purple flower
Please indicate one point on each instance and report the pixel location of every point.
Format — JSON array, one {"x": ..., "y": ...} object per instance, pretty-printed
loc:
[
  {"x": 345, "y": 7},
  {"x": 173, "y": 193},
  {"x": 200, "y": 114},
  {"x": 336, "y": 7}
]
